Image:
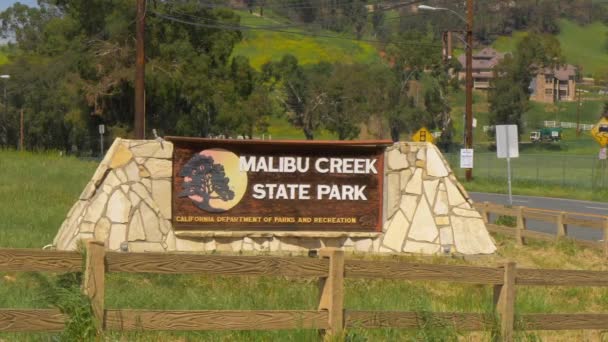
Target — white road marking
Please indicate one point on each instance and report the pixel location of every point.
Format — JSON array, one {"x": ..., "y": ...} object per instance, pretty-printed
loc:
[
  {"x": 598, "y": 208},
  {"x": 521, "y": 201}
]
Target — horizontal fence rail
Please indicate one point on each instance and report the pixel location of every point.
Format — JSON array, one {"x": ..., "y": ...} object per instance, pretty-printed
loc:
[
  {"x": 330, "y": 316},
  {"x": 561, "y": 220}
]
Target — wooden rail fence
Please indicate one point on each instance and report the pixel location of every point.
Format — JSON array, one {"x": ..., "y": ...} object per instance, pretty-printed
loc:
[
  {"x": 330, "y": 316},
  {"x": 561, "y": 219}
]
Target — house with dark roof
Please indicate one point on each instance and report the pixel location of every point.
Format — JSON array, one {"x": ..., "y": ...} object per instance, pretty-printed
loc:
[
  {"x": 554, "y": 84},
  {"x": 484, "y": 62}
]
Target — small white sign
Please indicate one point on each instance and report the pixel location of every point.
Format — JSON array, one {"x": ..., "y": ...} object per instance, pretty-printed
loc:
[
  {"x": 603, "y": 154},
  {"x": 102, "y": 129},
  {"x": 466, "y": 158},
  {"x": 507, "y": 141}
]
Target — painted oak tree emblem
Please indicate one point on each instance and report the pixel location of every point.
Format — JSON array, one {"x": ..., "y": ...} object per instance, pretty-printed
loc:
[{"x": 205, "y": 181}]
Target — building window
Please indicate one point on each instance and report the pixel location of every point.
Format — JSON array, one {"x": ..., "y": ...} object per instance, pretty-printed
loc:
[
  {"x": 548, "y": 79},
  {"x": 548, "y": 91}
]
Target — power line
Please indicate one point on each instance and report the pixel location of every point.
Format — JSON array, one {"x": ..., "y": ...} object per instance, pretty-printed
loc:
[{"x": 250, "y": 28}]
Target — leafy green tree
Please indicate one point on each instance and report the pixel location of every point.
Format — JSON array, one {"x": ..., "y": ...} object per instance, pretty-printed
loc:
[{"x": 507, "y": 98}]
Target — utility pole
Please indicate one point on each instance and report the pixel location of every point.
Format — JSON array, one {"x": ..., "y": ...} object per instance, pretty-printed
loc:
[
  {"x": 579, "y": 104},
  {"x": 140, "y": 68},
  {"x": 469, "y": 85}
]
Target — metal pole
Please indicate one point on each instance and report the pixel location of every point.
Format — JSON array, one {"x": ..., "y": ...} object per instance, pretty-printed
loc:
[
  {"x": 140, "y": 66},
  {"x": 509, "y": 170},
  {"x": 469, "y": 84},
  {"x": 101, "y": 145},
  {"x": 578, "y": 114}
]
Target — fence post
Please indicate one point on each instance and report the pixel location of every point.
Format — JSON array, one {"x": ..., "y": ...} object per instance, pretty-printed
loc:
[
  {"x": 94, "y": 280},
  {"x": 521, "y": 226},
  {"x": 562, "y": 229},
  {"x": 332, "y": 290},
  {"x": 504, "y": 300},
  {"x": 606, "y": 237},
  {"x": 485, "y": 214}
]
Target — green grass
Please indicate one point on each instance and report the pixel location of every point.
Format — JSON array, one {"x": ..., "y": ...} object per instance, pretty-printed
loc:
[
  {"x": 581, "y": 45},
  {"x": 36, "y": 192},
  {"x": 585, "y": 45},
  {"x": 3, "y": 58},
  {"x": 43, "y": 186},
  {"x": 264, "y": 46}
]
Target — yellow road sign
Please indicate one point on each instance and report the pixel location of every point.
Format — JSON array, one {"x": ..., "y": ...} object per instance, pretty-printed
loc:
[
  {"x": 423, "y": 135},
  {"x": 600, "y": 132}
]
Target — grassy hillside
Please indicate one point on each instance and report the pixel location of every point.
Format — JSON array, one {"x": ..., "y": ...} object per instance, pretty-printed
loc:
[
  {"x": 581, "y": 45},
  {"x": 42, "y": 187},
  {"x": 263, "y": 46}
]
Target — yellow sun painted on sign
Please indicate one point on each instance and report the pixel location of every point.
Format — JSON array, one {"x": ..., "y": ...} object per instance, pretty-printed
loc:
[
  {"x": 599, "y": 132},
  {"x": 423, "y": 135}
]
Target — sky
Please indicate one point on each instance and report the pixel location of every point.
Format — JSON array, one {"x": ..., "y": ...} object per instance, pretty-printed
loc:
[{"x": 6, "y": 3}]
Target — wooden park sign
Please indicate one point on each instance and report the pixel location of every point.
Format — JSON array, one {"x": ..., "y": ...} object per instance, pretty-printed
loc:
[{"x": 277, "y": 185}]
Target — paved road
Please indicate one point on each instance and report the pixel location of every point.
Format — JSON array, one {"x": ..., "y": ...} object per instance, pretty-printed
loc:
[{"x": 553, "y": 204}]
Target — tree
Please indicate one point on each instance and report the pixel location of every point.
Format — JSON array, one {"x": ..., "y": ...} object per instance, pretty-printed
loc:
[
  {"x": 302, "y": 92},
  {"x": 205, "y": 180},
  {"x": 72, "y": 65},
  {"x": 507, "y": 98}
]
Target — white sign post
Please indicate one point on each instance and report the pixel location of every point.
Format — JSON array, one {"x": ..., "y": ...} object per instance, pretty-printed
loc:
[
  {"x": 507, "y": 146},
  {"x": 466, "y": 158},
  {"x": 102, "y": 130}
]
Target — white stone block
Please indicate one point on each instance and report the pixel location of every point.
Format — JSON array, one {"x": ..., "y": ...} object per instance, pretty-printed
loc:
[
  {"x": 136, "y": 228},
  {"x": 363, "y": 245},
  {"x": 187, "y": 245},
  {"x": 397, "y": 160},
  {"x": 132, "y": 172},
  {"x": 117, "y": 236},
  {"x": 471, "y": 236},
  {"x": 393, "y": 194},
  {"x": 442, "y": 220},
  {"x": 446, "y": 236},
  {"x": 421, "y": 155},
  {"x": 430, "y": 188},
  {"x": 145, "y": 150},
  {"x": 414, "y": 186},
  {"x": 423, "y": 226},
  {"x": 96, "y": 207},
  {"x": 466, "y": 213},
  {"x": 133, "y": 198},
  {"x": 435, "y": 167},
  {"x": 87, "y": 227},
  {"x": 122, "y": 175},
  {"x": 118, "y": 207},
  {"x": 420, "y": 247},
  {"x": 150, "y": 222},
  {"x": 161, "y": 193},
  {"x": 404, "y": 178},
  {"x": 102, "y": 229},
  {"x": 454, "y": 196},
  {"x": 159, "y": 168},
  {"x": 442, "y": 206},
  {"x": 408, "y": 205},
  {"x": 396, "y": 232}
]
